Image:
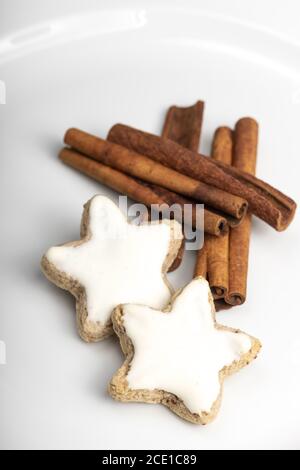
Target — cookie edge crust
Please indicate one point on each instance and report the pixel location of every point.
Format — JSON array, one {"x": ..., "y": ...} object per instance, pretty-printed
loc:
[
  {"x": 91, "y": 331},
  {"x": 118, "y": 387}
]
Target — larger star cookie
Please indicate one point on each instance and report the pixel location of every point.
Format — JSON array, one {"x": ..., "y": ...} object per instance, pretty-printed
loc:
[
  {"x": 114, "y": 262},
  {"x": 179, "y": 356}
]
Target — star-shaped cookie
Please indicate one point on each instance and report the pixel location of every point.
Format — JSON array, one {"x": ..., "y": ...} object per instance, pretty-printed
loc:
[
  {"x": 114, "y": 262},
  {"x": 179, "y": 356}
]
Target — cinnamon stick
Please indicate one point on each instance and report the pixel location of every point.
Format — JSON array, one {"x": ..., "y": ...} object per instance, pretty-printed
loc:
[
  {"x": 140, "y": 166},
  {"x": 213, "y": 258},
  {"x": 224, "y": 261},
  {"x": 244, "y": 158},
  {"x": 266, "y": 202},
  {"x": 184, "y": 125},
  {"x": 138, "y": 190}
]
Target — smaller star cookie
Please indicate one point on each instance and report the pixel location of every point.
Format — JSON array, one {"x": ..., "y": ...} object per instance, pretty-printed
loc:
[
  {"x": 114, "y": 262},
  {"x": 179, "y": 356}
]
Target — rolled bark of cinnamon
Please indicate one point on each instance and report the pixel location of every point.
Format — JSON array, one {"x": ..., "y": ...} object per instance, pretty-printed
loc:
[
  {"x": 212, "y": 259},
  {"x": 224, "y": 261},
  {"x": 244, "y": 158},
  {"x": 140, "y": 166},
  {"x": 265, "y": 202},
  {"x": 138, "y": 190},
  {"x": 183, "y": 125}
]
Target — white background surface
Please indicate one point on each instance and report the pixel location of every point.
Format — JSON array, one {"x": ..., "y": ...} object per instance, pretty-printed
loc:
[{"x": 128, "y": 61}]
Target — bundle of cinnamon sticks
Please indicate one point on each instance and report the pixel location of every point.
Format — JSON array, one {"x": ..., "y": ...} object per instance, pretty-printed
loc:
[{"x": 169, "y": 170}]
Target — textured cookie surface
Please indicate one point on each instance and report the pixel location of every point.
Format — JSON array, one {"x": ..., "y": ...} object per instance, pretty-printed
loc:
[
  {"x": 113, "y": 263},
  {"x": 179, "y": 356}
]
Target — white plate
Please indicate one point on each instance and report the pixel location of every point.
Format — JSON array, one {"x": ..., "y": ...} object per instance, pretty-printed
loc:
[{"x": 128, "y": 64}]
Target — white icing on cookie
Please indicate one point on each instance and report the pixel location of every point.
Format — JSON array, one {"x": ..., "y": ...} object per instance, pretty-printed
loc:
[
  {"x": 182, "y": 351},
  {"x": 120, "y": 262}
]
